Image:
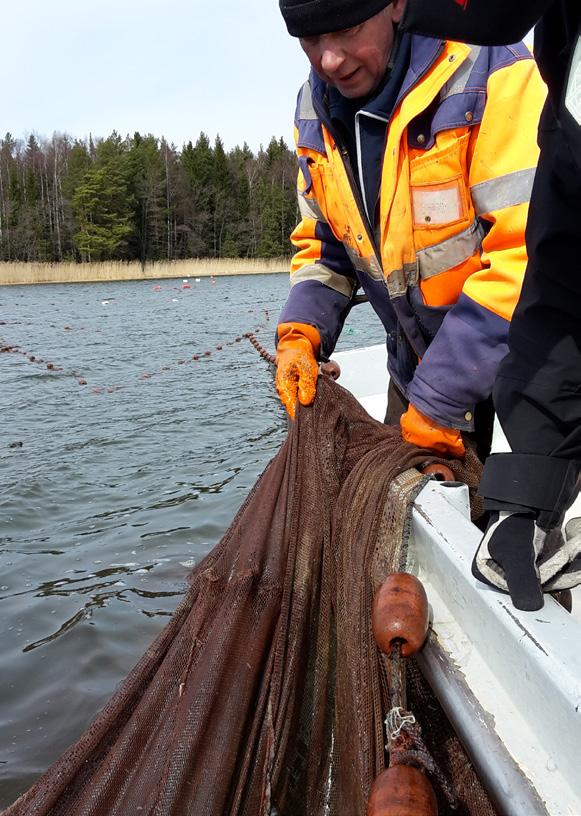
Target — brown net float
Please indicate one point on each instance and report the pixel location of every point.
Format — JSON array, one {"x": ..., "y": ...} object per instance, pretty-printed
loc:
[
  {"x": 402, "y": 791},
  {"x": 439, "y": 471},
  {"x": 400, "y": 622},
  {"x": 400, "y": 614}
]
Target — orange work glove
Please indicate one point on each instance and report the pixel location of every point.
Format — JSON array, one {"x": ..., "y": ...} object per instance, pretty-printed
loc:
[
  {"x": 296, "y": 365},
  {"x": 423, "y": 432}
]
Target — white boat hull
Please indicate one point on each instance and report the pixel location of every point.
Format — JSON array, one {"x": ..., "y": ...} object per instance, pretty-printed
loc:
[{"x": 509, "y": 681}]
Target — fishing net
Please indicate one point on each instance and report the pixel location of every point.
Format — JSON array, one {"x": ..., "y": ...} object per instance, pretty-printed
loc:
[{"x": 266, "y": 695}]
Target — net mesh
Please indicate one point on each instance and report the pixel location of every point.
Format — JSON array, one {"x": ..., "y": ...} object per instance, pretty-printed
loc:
[{"x": 265, "y": 694}]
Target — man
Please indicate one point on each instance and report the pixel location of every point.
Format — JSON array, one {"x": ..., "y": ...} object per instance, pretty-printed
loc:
[
  {"x": 538, "y": 390},
  {"x": 416, "y": 164}
]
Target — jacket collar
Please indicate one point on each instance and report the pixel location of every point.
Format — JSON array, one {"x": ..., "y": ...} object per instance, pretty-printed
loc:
[{"x": 425, "y": 52}]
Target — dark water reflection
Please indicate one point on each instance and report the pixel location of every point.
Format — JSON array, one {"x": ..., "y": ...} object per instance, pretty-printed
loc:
[{"x": 122, "y": 485}]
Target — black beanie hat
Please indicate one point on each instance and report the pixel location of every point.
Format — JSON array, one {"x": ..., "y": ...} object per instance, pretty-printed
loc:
[{"x": 310, "y": 18}]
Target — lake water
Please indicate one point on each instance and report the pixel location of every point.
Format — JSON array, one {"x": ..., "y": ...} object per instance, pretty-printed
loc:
[{"x": 121, "y": 485}]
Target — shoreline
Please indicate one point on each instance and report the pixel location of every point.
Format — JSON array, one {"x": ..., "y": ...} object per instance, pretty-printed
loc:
[{"x": 20, "y": 273}]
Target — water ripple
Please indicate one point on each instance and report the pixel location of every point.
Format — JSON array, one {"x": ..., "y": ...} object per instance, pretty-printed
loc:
[{"x": 122, "y": 485}]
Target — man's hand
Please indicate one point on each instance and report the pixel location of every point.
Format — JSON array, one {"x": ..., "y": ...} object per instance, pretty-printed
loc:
[
  {"x": 296, "y": 365},
  {"x": 518, "y": 557},
  {"x": 423, "y": 432}
]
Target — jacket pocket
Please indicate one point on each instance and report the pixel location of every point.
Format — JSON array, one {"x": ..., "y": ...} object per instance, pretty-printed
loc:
[
  {"x": 447, "y": 234},
  {"x": 439, "y": 194},
  {"x": 317, "y": 189}
]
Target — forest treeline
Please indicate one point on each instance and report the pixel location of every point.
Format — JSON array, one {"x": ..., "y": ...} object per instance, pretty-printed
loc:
[{"x": 140, "y": 198}]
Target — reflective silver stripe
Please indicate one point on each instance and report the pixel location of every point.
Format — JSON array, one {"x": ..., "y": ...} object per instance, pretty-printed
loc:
[
  {"x": 573, "y": 95},
  {"x": 399, "y": 280},
  {"x": 439, "y": 258},
  {"x": 306, "y": 110},
  {"x": 370, "y": 266},
  {"x": 504, "y": 191},
  {"x": 309, "y": 208},
  {"x": 458, "y": 81},
  {"x": 321, "y": 273}
]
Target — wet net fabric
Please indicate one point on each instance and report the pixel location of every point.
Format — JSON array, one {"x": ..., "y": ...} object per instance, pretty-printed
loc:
[{"x": 265, "y": 694}]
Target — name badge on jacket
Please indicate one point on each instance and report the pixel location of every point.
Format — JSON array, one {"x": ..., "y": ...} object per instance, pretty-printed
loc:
[{"x": 437, "y": 204}]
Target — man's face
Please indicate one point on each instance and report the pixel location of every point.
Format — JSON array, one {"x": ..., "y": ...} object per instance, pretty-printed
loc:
[{"x": 355, "y": 60}]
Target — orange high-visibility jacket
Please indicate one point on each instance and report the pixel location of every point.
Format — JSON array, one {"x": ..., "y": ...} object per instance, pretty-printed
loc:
[{"x": 444, "y": 266}]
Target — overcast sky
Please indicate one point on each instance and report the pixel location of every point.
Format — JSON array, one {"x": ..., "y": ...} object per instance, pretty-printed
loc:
[{"x": 169, "y": 67}]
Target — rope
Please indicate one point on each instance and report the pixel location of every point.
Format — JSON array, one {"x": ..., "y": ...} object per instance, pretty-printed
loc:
[
  {"x": 8, "y": 348},
  {"x": 408, "y": 748},
  {"x": 266, "y": 355},
  {"x": 396, "y": 720},
  {"x": 405, "y": 743}
]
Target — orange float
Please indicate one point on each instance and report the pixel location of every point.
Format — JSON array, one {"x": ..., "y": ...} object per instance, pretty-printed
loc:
[
  {"x": 442, "y": 472},
  {"x": 400, "y": 614},
  {"x": 402, "y": 791}
]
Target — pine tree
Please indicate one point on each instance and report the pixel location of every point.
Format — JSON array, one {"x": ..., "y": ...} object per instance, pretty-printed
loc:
[
  {"x": 146, "y": 178},
  {"x": 104, "y": 205},
  {"x": 198, "y": 164}
]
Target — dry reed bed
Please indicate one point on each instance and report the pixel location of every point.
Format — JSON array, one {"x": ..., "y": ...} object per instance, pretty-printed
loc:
[{"x": 25, "y": 273}]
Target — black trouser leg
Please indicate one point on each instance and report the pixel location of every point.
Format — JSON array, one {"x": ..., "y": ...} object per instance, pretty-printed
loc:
[{"x": 538, "y": 391}]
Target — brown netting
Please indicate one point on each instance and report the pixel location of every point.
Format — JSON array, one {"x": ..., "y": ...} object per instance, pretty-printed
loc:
[{"x": 265, "y": 694}]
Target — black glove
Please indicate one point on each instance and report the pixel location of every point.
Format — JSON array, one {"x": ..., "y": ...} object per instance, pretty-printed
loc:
[{"x": 518, "y": 557}]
